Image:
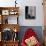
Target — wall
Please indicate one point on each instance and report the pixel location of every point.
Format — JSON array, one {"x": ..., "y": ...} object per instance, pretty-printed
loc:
[
  {"x": 39, "y": 13},
  {"x": 22, "y": 21}
]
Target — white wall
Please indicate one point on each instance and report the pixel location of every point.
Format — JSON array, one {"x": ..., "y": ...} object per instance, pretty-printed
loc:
[{"x": 22, "y": 3}]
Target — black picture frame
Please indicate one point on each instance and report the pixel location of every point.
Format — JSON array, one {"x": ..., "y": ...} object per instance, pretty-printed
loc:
[
  {"x": 7, "y": 34},
  {"x": 30, "y": 12}
]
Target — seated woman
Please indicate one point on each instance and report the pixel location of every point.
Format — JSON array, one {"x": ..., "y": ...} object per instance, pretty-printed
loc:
[{"x": 30, "y": 38}]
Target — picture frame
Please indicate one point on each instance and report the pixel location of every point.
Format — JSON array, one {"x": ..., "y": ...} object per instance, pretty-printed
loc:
[
  {"x": 6, "y": 34},
  {"x": 10, "y": 19},
  {"x": 13, "y": 20},
  {"x": 9, "y": 34},
  {"x": 5, "y": 12},
  {"x": 13, "y": 12},
  {"x": 30, "y": 12},
  {"x": 5, "y": 20}
]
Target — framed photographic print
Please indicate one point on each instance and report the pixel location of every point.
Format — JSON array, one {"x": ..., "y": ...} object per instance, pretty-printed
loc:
[
  {"x": 6, "y": 34},
  {"x": 10, "y": 19},
  {"x": 13, "y": 12},
  {"x": 13, "y": 20},
  {"x": 30, "y": 12},
  {"x": 5, "y": 12},
  {"x": 5, "y": 20}
]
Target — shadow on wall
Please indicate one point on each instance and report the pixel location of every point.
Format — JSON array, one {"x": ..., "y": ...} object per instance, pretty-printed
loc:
[{"x": 37, "y": 29}]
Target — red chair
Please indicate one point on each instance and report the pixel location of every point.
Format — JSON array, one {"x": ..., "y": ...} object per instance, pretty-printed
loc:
[{"x": 29, "y": 33}]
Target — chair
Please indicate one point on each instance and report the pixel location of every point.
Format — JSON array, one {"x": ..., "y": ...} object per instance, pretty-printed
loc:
[{"x": 29, "y": 33}]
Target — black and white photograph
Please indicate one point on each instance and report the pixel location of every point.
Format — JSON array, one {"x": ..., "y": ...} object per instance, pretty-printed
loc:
[{"x": 30, "y": 12}]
